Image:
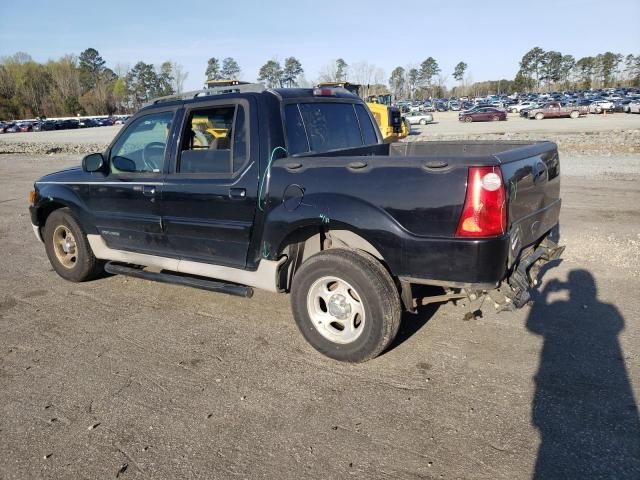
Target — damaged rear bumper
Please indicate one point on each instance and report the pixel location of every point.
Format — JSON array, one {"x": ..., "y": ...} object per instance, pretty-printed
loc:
[{"x": 515, "y": 290}]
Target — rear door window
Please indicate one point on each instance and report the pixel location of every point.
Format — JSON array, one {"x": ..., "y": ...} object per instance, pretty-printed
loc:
[{"x": 321, "y": 127}]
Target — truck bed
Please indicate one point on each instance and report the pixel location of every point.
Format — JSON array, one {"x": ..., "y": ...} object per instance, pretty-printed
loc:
[{"x": 421, "y": 187}]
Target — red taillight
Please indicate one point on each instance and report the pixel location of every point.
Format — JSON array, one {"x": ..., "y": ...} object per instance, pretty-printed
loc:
[{"x": 484, "y": 213}]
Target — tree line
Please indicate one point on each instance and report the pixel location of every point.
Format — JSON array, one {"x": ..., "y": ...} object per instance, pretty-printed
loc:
[
  {"x": 84, "y": 85},
  {"x": 81, "y": 85}
]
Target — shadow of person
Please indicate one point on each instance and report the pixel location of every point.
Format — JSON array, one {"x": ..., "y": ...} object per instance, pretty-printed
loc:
[{"x": 583, "y": 404}]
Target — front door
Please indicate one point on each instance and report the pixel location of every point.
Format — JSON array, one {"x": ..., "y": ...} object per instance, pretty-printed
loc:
[
  {"x": 126, "y": 204},
  {"x": 209, "y": 194}
]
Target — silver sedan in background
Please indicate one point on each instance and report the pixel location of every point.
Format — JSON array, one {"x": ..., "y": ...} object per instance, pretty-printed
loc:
[{"x": 415, "y": 118}]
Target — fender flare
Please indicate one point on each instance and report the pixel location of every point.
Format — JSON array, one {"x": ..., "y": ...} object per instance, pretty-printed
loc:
[
  {"x": 351, "y": 221},
  {"x": 52, "y": 197}
]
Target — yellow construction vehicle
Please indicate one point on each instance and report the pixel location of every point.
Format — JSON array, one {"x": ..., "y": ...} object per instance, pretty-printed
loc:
[{"x": 389, "y": 119}]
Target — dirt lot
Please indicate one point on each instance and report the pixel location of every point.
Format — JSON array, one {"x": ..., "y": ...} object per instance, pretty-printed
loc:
[{"x": 132, "y": 379}]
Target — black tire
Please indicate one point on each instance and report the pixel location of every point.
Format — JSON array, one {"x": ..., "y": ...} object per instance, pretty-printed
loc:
[
  {"x": 375, "y": 289},
  {"x": 85, "y": 266}
]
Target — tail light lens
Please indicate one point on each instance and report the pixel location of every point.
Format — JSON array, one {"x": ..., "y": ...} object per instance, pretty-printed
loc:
[{"x": 484, "y": 213}]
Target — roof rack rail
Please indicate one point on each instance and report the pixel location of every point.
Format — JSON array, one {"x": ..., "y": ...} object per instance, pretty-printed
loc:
[{"x": 205, "y": 92}]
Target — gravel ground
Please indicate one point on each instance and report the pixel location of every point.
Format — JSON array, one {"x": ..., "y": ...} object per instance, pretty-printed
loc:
[{"x": 131, "y": 379}]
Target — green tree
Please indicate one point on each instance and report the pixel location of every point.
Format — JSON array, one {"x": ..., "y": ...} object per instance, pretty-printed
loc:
[
  {"x": 531, "y": 64},
  {"x": 230, "y": 69},
  {"x": 397, "y": 82},
  {"x": 341, "y": 70},
  {"x": 91, "y": 65},
  {"x": 551, "y": 67},
  {"x": 213, "y": 69},
  {"x": 585, "y": 70},
  {"x": 428, "y": 69},
  {"x": 292, "y": 70},
  {"x": 459, "y": 71},
  {"x": 142, "y": 81},
  {"x": 608, "y": 63},
  {"x": 164, "y": 84},
  {"x": 271, "y": 73},
  {"x": 567, "y": 64},
  {"x": 412, "y": 81},
  {"x": 121, "y": 94}
]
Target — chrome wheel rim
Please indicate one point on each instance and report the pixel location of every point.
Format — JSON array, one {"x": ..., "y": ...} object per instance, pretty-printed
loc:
[
  {"x": 336, "y": 310},
  {"x": 64, "y": 246}
]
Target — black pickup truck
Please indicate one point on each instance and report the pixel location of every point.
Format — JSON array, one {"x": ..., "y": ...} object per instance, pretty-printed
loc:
[{"x": 293, "y": 190}]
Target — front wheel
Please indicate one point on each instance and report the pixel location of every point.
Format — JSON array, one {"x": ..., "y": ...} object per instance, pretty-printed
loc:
[
  {"x": 539, "y": 116},
  {"x": 68, "y": 248},
  {"x": 423, "y": 122},
  {"x": 468, "y": 119},
  {"x": 574, "y": 114},
  {"x": 346, "y": 305}
]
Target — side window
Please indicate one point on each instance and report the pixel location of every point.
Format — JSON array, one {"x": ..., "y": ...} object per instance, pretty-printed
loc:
[
  {"x": 297, "y": 138},
  {"x": 368, "y": 132},
  {"x": 330, "y": 126},
  {"x": 141, "y": 148},
  {"x": 214, "y": 141}
]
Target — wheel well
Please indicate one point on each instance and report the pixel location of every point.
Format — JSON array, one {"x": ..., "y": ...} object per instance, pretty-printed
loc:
[
  {"x": 303, "y": 243},
  {"x": 46, "y": 210}
]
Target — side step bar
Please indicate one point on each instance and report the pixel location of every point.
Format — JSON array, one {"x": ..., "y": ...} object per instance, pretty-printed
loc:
[{"x": 179, "y": 279}]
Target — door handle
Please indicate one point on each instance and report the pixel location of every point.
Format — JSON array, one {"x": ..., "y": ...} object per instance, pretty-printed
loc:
[
  {"x": 237, "y": 193},
  {"x": 148, "y": 190}
]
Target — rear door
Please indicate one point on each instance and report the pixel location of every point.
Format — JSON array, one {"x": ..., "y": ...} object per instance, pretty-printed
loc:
[{"x": 209, "y": 193}]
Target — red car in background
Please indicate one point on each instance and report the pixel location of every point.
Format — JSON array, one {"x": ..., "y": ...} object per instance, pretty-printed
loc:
[{"x": 483, "y": 114}]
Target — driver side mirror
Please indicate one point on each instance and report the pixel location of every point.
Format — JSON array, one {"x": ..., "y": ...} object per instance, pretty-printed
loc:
[{"x": 94, "y": 162}]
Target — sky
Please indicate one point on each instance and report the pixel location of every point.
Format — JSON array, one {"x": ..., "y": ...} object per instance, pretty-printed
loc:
[{"x": 491, "y": 36}]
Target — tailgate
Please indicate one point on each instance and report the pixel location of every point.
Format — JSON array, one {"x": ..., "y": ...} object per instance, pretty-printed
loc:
[{"x": 532, "y": 182}]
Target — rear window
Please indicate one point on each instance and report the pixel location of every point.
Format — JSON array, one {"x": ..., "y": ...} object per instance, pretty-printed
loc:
[{"x": 320, "y": 127}]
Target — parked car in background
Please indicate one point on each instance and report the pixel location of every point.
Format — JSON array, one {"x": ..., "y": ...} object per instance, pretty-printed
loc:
[
  {"x": 634, "y": 107},
  {"x": 415, "y": 118},
  {"x": 87, "y": 123},
  {"x": 454, "y": 106},
  {"x": 483, "y": 114},
  {"x": 519, "y": 106},
  {"x": 600, "y": 106},
  {"x": 69, "y": 124},
  {"x": 26, "y": 127},
  {"x": 556, "y": 110},
  {"x": 12, "y": 128},
  {"x": 441, "y": 107}
]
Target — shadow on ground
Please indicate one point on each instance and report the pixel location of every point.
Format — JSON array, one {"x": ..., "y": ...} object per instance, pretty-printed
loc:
[{"x": 583, "y": 404}]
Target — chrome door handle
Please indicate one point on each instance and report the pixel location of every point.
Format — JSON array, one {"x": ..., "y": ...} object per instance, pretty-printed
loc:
[
  {"x": 237, "y": 193},
  {"x": 148, "y": 191}
]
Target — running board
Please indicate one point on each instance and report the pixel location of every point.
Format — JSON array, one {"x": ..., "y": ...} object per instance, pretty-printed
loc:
[{"x": 178, "y": 279}]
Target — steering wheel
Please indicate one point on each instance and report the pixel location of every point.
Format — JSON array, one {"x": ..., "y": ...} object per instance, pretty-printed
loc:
[{"x": 148, "y": 153}]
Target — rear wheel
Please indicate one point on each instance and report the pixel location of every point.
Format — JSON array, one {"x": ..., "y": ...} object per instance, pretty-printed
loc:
[
  {"x": 539, "y": 116},
  {"x": 68, "y": 248},
  {"x": 495, "y": 118},
  {"x": 574, "y": 114},
  {"x": 346, "y": 305},
  {"x": 598, "y": 109}
]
